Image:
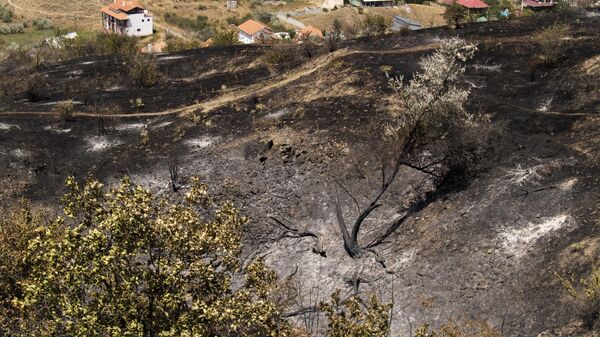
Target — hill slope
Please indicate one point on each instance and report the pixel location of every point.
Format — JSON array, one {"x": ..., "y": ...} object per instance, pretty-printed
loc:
[{"x": 278, "y": 140}]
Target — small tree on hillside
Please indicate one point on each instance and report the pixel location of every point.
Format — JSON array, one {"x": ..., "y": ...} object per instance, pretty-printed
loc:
[
  {"x": 455, "y": 15},
  {"x": 124, "y": 263},
  {"x": 335, "y": 36},
  {"x": 65, "y": 110},
  {"x": 433, "y": 105},
  {"x": 550, "y": 41},
  {"x": 373, "y": 24},
  {"x": 143, "y": 69},
  {"x": 6, "y": 15},
  {"x": 225, "y": 37}
]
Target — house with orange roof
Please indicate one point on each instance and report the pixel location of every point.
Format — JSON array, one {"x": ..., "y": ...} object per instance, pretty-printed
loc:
[
  {"x": 253, "y": 31},
  {"x": 128, "y": 17}
]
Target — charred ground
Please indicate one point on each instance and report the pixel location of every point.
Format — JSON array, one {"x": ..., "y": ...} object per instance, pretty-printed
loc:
[{"x": 277, "y": 138}]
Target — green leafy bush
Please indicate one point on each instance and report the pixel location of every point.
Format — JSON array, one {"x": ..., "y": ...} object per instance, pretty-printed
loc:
[
  {"x": 102, "y": 44},
  {"x": 201, "y": 25},
  {"x": 178, "y": 44},
  {"x": 42, "y": 24},
  {"x": 6, "y": 15},
  {"x": 373, "y": 24},
  {"x": 122, "y": 262},
  {"x": 550, "y": 41},
  {"x": 455, "y": 15},
  {"x": 347, "y": 318},
  {"x": 17, "y": 28},
  {"x": 143, "y": 70},
  {"x": 225, "y": 37},
  {"x": 65, "y": 110}
]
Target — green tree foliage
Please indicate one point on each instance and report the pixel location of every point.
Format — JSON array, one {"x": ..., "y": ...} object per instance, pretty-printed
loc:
[
  {"x": 175, "y": 44},
  {"x": 124, "y": 263},
  {"x": 6, "y": 15},
  {"x": 17, "y": 228},
  {"x": 550, "y": 41},
  {"x": 455, "y": 15},
  {"x": 347, "y": 318},
  {"x": 373, "y": 24},
  {"x": 42, "y": 24},
  {"x": 143, "y": 70},
  {"x": 101, "y": 44},
  {"x": 17, "y": 28},
  {"x": 225, "y": 37},
  {"x": 434, "y": 101},
  {"x": 236, "y": 20}
]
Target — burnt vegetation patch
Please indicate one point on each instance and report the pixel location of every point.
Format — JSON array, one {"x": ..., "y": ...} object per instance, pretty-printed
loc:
[{"x": 454, "y": 200}]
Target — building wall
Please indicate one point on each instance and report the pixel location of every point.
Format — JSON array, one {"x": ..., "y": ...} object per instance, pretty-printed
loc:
[
  {"x": 245, "y": 38},
  {"x": 139, "y": 24},
  {"x": 329, "y": 4}
]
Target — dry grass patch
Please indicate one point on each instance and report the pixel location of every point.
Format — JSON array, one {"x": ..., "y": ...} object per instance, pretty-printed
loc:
[{"x": 427, "y": 15}]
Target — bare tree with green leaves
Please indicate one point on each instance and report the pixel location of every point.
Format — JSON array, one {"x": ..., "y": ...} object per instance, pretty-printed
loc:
[{"x": 433, "y": 104}]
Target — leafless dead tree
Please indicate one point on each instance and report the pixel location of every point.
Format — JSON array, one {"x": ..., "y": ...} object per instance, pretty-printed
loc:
[
  {"x": 173, "y": 161},
  {"x": 292, "y": 231},
  {"x": 106, "y": 120}
]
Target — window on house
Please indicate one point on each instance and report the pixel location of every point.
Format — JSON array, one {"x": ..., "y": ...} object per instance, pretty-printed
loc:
[{"x": 139, "y": 29}]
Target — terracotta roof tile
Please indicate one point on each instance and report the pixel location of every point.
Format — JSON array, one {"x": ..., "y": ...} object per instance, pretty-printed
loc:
[
  {"x": 118, "y": 16},
  {"x": 472, "y": 3},
  {"x": 252, "y": 27},
  {"x": 125, "y": 5}
]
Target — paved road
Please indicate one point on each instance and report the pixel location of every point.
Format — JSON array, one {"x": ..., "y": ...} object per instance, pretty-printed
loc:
[{"x": 282, "y": 16}]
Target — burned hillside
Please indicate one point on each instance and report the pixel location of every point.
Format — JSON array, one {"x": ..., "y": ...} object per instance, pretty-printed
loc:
[{"x": 291, "y": 143}]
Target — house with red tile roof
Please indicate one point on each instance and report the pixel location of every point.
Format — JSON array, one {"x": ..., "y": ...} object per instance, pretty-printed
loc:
[
  {"x": 128, "y": 17},
  {"x": 253, "y": 31},
  {"x": 473, "y": 4}
]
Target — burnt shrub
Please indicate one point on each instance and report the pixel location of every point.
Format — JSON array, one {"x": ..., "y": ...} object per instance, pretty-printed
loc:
[
  {"x": 36, "y": 88},
  {"x": 586, "y": 294},
  {"x": 550, "y": 41},
  {"x": 143, "y": 70},
  {"x": 283, "y": 53},
  {"x": 65, "y": 111}
]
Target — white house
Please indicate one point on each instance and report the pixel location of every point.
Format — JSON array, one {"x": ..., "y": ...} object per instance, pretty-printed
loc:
[
  {"x": 253, "y": 31},
  {"x": 127, "y": 17}
]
